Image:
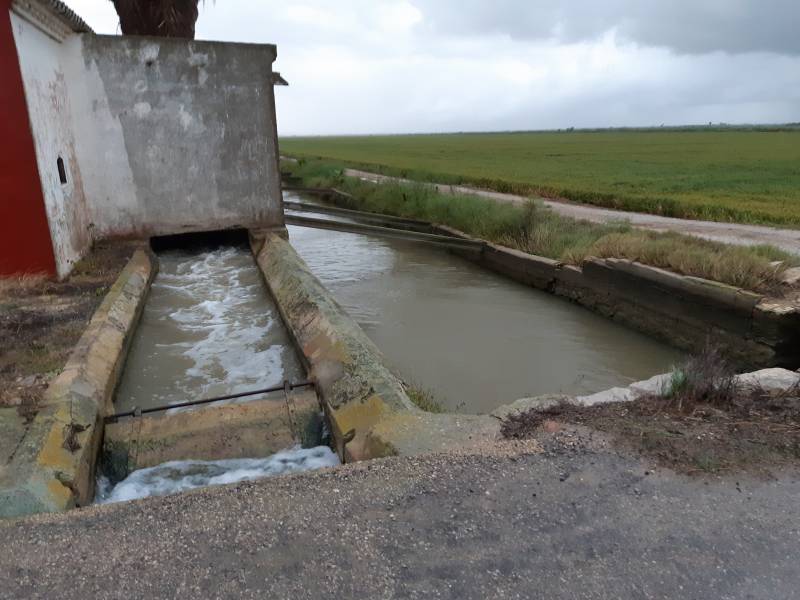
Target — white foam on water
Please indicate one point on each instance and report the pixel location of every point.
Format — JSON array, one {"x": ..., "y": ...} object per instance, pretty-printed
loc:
[
  {"x": 209, "y": 329},
  {"x": 176, "y": 476}
]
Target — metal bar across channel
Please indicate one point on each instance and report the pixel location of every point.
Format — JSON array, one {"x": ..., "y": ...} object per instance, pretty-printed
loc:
[{"x": 143, "y": 411}]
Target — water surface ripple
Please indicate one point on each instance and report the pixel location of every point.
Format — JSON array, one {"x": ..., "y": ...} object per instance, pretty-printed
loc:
[
  {"x": 475, "y": 338},
  {"x": 208, "y": 328}
]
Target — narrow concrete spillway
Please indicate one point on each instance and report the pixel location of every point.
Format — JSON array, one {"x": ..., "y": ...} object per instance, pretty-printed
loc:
[
  {"x": 208, "y": 329},
  {"x": 474, "y": 338},
  {"x": 177, "y": 476}
]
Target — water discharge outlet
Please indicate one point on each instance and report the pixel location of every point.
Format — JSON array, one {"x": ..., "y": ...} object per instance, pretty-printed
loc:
[{"x": 212, "y": 382}]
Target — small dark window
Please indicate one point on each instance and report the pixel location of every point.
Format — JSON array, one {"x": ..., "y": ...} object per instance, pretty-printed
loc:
[{"x": 62, "y": 172}]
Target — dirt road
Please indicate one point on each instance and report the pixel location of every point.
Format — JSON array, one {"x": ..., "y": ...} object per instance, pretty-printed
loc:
[{"x": 730, "y": 233}]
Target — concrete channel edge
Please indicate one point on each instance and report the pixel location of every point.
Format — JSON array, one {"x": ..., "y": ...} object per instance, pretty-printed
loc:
[
  {"x": 359, "y": 392},
  {"x": 54, "y": 465},
  {"x": 684, "y": 311}
]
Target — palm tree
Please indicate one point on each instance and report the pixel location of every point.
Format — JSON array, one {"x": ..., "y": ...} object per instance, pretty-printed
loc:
[{"x": 165, "y": 18}]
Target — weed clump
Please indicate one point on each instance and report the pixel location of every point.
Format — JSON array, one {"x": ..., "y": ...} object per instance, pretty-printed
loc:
[
  {"x": 704, "y": 378},
  {"x": 425, "y": 399}
]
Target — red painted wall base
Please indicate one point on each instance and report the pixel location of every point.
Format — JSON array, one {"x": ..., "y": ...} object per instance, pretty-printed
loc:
[{"x": 25, "y": 244}]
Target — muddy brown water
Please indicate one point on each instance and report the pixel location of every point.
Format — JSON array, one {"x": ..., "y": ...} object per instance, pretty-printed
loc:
[
  {"x": 208, "y": 329},
  {"x": 474, "y": 338}
]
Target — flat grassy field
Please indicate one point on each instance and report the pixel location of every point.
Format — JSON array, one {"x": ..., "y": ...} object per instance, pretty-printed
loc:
[{"x": 735, "y": 175}]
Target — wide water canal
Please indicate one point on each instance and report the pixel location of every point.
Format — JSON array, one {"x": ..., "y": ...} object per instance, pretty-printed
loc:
[{"x": 474, "y": 338}]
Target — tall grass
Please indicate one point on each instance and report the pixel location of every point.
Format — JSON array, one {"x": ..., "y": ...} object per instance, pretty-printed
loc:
[{"x": 537, "y": 230}]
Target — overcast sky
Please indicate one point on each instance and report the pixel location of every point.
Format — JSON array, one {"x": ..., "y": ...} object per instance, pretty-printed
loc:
[{"x": 394, "y": 66}]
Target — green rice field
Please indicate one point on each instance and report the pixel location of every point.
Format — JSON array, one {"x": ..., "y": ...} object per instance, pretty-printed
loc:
[{"x": 723, "y": 175}]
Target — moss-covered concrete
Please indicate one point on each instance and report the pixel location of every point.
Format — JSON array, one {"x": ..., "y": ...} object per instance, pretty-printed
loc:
[
  {"x": 51, "y": 467},
  {"x": 356, "y": 386},
  {"x": 359, "y": 391}
]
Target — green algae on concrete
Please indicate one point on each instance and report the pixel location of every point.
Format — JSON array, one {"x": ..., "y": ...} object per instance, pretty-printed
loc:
[
  {"x": 359, "y": 391},
  {"x": 357, "y": 387},
  {"x": 51, "y": 468}
]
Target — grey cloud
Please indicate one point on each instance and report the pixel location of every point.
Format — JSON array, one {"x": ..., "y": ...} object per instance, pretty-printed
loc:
[
  {"x": 685, "y": 26},
  {"x": 350, "y": 73}
]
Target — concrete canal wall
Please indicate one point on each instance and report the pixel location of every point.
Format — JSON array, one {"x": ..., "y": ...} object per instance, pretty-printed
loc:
[
  {"x": 243, "y": 430},
  {"x": 360, "y": 393},
  {"x": 352, "y": 378},
  {"x": 684, "y": 311},
  {"x": 52, "y": 467}
]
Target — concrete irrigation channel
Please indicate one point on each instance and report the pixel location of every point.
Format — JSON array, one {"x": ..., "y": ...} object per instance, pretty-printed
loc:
[
  {"x": 335, "y": 343},
  {"x": 471, "y": 338}
]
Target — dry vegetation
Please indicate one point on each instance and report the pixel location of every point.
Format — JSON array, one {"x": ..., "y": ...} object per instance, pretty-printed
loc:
[
  {"x": 705, "y": 421},
  {"x": 41, "y": 320}
]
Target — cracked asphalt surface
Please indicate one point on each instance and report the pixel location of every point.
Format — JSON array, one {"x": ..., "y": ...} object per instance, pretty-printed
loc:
[{"x": 571, "y": 522}]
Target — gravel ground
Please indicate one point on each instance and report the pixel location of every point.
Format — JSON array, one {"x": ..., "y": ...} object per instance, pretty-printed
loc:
[
  {"x": 576, "y": 520},
  {"x": 729, "y": 233}
]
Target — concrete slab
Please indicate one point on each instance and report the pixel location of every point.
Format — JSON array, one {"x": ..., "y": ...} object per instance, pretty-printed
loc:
[
  {"x": 241, "y": 430},
  {"x": 616, "y": 394},
  {"x": 770, "y": 380}
]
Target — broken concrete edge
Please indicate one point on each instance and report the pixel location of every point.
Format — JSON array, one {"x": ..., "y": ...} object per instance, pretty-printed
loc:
[
  {"x": 682, "y": 310},
  {"x": 358, "y": 390},
  {"x": 773, "y": 381},
  {"x": 53, "y": 468}
]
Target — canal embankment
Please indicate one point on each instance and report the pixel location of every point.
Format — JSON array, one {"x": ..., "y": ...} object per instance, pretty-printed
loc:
[
  {"x": 756, "y": 329},
  {"x": 532, "y": 228},
  {"x": 759, "y": 327},
  {"x": 461, "y": 335},
  {"x": 49, "y": 462}
]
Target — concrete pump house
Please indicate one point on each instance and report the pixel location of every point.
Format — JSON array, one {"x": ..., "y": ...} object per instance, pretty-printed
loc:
[{"x": 112, "y": 136}]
